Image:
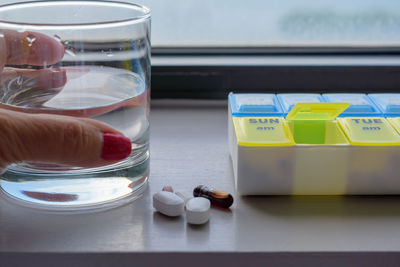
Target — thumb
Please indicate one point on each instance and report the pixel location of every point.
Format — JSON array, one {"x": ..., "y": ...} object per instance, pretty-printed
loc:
[{"x": 59, "y": 139}]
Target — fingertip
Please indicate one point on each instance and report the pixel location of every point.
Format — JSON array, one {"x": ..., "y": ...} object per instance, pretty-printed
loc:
[
  {"x": 45, "y": 50},
  {"x": 64, "y": 140},
  {"x": 32, "y": 48},
  {"x": 52, "y": 78}
]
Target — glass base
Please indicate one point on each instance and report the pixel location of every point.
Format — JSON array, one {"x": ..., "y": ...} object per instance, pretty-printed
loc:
[{"x": 75, "y": 190}]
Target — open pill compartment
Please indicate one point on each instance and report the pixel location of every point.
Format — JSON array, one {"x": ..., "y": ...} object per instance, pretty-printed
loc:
[{"x": 311, "y": 152}]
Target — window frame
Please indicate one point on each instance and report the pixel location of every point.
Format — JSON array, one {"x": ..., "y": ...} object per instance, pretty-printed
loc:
[{"x": 213, "y": 72}]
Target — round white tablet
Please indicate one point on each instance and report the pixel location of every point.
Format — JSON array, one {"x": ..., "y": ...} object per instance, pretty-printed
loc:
[
  {"x": 198, "y": 210},
  {"x": 168, "y": 203}
]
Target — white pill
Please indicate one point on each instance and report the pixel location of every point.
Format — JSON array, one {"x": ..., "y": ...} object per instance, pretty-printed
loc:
[
  {"x": 198, "y": 210},
  {"x": 168, "y": 203}
]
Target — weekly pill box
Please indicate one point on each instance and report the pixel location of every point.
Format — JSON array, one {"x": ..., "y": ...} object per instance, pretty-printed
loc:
[{"x": 313, "y": 150}]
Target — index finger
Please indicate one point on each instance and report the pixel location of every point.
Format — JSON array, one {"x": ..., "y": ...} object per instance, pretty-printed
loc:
[{"x": 31, "y": 48}]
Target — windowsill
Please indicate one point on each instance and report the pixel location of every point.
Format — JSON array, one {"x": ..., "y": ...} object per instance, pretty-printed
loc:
[
  {"x": 189, "y": 147},
  {"x": 277, "y": 60}
]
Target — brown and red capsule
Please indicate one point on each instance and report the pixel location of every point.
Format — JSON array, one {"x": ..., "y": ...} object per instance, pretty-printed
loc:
[{"x": 217, "y": 197}]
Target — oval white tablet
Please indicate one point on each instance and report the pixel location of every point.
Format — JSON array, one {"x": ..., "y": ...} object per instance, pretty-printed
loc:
[
  {"x": 168, "y": 203},
  {"x": 198, "y": 210}
]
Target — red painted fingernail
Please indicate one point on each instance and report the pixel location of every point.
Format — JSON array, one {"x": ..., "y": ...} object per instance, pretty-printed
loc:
[{"x": 115, "y": 146}]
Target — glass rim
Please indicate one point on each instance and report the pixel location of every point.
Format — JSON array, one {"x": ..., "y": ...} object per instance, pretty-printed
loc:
[{"x": 138, "y": 18}]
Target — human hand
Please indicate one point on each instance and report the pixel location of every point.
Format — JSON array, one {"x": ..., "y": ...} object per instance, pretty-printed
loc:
[{"x": 50, "y": 138}]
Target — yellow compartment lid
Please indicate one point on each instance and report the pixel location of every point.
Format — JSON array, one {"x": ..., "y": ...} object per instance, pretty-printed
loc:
[
  {"x": 395, "y": 122},
  {"x": 262, "y": 131},
  {"x": 369, "y": 131},
  {"x": 309, "y": 120},
  {"x": 316, "y": 111}
]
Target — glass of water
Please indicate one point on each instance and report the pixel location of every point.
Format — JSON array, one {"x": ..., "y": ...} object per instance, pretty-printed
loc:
[{"x": 106, "y": 70}]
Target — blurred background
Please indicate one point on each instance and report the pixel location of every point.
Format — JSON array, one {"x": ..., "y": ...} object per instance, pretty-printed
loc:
[{"x": 263, "y": 23}]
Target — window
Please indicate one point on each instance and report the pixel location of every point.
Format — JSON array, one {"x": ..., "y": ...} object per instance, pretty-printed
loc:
[
  {"x": 205, "y": 49},
  {"x": 273, "y": 23}
]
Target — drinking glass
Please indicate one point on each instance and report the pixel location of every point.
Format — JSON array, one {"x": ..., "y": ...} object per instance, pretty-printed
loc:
[{"x": 106, "y": 77}]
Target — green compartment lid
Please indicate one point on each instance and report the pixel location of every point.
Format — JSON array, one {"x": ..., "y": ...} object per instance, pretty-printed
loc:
[
  {"x": 316, "y": 111},
  {"x": 309, "y": 120}
]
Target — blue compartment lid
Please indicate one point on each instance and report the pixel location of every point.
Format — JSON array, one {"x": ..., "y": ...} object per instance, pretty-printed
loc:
[
  {"x": 360, "y": 104},
  {"x": 254, "y": 105},
  {"x": 288, "y": 101},
  {"x": 389, "y": 104}
]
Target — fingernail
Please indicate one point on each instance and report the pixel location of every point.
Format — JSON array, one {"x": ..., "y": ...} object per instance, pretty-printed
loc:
[{"x": 115, "y": 146}]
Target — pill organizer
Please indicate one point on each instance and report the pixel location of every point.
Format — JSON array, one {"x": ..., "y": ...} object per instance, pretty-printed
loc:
[{"x": 310, "y": 144}]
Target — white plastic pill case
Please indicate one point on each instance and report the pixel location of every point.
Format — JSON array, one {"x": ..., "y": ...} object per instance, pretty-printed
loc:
[{"x": 275, "y": 153}]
